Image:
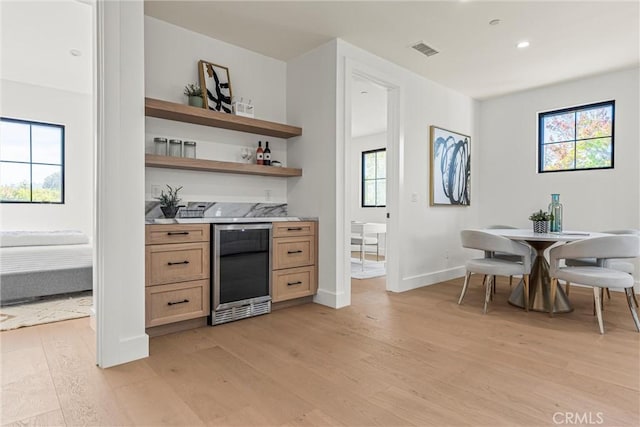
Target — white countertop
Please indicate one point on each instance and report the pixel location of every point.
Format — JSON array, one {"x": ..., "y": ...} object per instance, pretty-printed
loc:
[{"x": 229, "y": 220}]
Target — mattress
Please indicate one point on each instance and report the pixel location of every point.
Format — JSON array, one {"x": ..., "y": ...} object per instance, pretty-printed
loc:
[{"x": 26, "y": 259}]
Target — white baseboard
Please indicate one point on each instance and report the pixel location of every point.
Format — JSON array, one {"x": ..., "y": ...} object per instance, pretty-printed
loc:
[
  {"x": 332, "y": 299},
  {"x": 414, "y": 282},
  {"x": 128, "y": 350}
]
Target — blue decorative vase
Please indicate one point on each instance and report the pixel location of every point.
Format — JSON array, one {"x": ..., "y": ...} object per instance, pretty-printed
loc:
[{"x": 555, "y": 209}]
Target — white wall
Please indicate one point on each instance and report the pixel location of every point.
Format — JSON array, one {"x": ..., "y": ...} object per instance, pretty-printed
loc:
[
  {"x": 427, "y": 238},
  {"x": 311, "y": 103},
  {"x": 74, "y": 111},
  {"x": 171, "y": 57},
  {"x": 510, "y": 187},
  {"x": 119, "y": 241}
]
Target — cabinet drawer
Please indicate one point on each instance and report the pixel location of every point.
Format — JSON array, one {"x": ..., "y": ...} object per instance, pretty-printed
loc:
[
  {"x": 177, "y": 263},
  {"x": 295, "y": 228},
  {"x": 291, "y": 252},
  {"x": 294, "y": 283},
  {"x": 176, "y": 233},
  {"x": 176, "y": 302}
]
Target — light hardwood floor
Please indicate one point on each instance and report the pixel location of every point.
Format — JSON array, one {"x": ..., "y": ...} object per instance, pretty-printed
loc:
[{"x": 415, "y": 358}]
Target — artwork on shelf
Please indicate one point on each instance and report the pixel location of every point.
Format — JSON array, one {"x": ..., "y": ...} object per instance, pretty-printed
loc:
[
  {"x": 216, "y": 86},
  {"x": 450, "y": 164}
]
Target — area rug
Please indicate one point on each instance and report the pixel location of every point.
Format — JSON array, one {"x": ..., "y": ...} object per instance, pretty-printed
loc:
[
  {"x": 48, "y": 310},
  {"x": 371, "y": 269}
]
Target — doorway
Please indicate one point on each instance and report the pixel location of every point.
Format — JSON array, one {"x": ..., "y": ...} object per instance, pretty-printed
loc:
[
  {"x": 372, "y": 141},
  {"x": 367, "y": 181}
]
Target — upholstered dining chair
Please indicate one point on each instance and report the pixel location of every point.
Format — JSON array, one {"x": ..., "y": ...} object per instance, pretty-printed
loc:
[
  {"x": 502, "y": 255},
  {"x": 616, "y": 264},
  {"x": 491, "y": 267},
  {"x": 599, "y": 276}
]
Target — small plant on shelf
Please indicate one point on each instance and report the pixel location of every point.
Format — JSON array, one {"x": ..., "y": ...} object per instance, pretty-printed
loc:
[
  {"x": 169, "y": 201},
  {"x": 541, "y": 221},
  {"x": 194, "y": 92}
]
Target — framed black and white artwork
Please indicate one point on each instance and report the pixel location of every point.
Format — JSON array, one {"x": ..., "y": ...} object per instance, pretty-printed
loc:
[
  {"x": 450, "y": 164},
  {"x": 216, "y": 86}
]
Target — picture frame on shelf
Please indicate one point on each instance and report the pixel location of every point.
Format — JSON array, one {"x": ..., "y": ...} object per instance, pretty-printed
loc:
[
  {"x": 450, "y": 168},
  {"x": 216, "y": 86}
]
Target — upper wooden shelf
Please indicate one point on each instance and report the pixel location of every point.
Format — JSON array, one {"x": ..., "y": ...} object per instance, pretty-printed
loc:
[
  {"x": 168, "y": 162},
  {"x": 201, "y": 116}
]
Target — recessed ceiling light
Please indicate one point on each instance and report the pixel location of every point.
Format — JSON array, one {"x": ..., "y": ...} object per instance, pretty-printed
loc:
[
  {"x": 75, "y": 52},
  {"x": 363, "y": 92},
  {"x": 494, "y": 22},
  {"x": 523, "y": 44}
]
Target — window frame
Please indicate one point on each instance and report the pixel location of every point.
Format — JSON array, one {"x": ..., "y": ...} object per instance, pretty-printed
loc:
[
  {"x": 363, "y": 180},
  {"x": 575, "y": 110},
  {"x": 31, "y": 162}
]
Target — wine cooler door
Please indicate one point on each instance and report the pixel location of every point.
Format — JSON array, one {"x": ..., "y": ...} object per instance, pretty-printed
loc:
[{"x": 242, "y": 264}]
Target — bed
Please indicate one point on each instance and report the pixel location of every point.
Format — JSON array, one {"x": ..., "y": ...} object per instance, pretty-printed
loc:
[{"x": 43, "y": 263}]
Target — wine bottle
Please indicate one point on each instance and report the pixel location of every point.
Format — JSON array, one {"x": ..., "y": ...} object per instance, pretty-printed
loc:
[
  {"x": 267, "y": 154},
  {"x": 259, "y": 154}
]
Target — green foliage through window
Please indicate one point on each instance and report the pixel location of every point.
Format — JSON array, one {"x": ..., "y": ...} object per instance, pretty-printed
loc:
[
  {"x": 31, "y": 162},
  {"x": 576, "y": 138},
  {"x": 374, "y": 178}
]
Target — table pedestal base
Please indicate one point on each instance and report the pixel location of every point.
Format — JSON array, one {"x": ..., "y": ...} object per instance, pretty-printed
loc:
[{"x": 540, "y": 286}]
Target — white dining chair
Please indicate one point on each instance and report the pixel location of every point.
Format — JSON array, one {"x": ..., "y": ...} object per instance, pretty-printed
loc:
[
  {"x": 599, "y": 276},
  {"x": 491, "y": 267},
  {"x": 616, "y": 264},
  {"x": 505, "y": 256}
]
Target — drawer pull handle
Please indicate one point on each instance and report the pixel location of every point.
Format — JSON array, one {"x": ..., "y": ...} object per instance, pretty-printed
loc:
[
  {"x": 178, "y": 263},
  {"x": 294, "y": 252},
  {"x": 294, "y": 229},
  {"x": 177, "y": 233},
  {"x": 294, "y": 283},
  {"x": 178, "y": 302}
]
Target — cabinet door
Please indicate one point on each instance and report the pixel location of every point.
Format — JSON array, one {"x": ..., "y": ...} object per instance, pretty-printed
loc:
[
  {"x": 289, "y": 252},
  {"x": 294, "y": 283},
  {"x": 176, "y": 302},
  {"x": 177, "y": 263},
  {"x": 176, "y": 233}
]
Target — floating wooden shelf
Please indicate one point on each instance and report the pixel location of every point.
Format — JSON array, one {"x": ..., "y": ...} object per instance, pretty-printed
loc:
[
  {"x": 168, "y": 162},
  {"x": 201, "y": 116}
]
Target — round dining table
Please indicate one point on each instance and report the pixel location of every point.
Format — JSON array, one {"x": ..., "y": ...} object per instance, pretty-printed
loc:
[{"x": 539, "y": 280}]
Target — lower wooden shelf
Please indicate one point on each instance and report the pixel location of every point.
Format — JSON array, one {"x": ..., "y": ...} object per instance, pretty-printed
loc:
[{"x": 168, "y": 162}]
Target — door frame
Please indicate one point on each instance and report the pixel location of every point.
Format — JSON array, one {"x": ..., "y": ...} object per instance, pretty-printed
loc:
[{"x": 395, "y": 142}]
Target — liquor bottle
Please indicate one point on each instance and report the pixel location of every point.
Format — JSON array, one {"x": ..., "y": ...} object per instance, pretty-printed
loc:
[
  {"x": 259, "y": 154},
  {"x": 555, "y": 209},
  {"x": 267, "y": 154}
]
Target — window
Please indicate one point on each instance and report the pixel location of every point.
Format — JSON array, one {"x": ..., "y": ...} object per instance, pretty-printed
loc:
[
  {"x": 576, "y": 138},
  {"x": 374, "y": 178},
  {"x": 31, "y": 162}
]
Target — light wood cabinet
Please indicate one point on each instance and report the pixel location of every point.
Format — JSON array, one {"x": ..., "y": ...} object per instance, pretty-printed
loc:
[
  {"x": 177, "y": 273},
  {"x": 294, "y": 260}
]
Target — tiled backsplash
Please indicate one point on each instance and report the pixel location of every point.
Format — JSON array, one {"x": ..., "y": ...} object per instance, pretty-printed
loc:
[{"x": 221, "y": 209}]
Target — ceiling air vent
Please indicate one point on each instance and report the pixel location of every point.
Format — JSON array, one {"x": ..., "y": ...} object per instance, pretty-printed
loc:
[{"x": 424, "y": 49}]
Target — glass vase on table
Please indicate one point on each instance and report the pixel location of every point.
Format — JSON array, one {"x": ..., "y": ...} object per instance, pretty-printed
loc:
[{"x": 555, "y": 209}]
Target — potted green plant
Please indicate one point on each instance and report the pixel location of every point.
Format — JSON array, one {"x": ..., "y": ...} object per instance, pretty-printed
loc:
[
  {"x": 169, "y": 201},
  {"x": 194, "y": 92},
  {"x": 541, "y": 221}
]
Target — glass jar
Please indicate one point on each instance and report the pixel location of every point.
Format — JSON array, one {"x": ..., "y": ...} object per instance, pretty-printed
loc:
[
  {"x": 160, "y": 146},
  {"x": 175, "y": 147},
  {"x": 189, "y": 149},
  {"x": 555, "y": 209}
]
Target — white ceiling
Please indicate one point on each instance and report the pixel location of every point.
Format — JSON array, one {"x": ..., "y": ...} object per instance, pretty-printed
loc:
[
  {"x": 569, "y": 39},
  {"x": 36, "y": 39},
  {"x": 368, "y": 108}
]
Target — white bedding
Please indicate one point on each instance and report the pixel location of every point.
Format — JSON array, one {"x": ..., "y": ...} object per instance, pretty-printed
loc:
[
  {"x": 24, "y": 259},
  {"x": 42, "y": 238}
]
